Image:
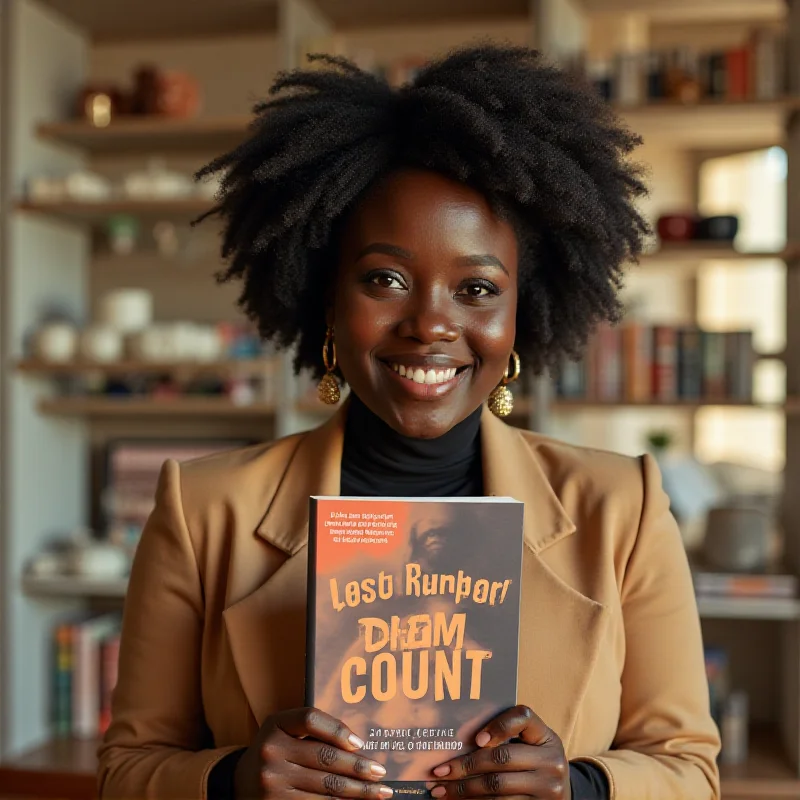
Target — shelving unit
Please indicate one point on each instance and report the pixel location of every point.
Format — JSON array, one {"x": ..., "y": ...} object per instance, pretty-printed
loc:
[
  {"x": 98, "y": 212},
  {"x": 126, "y": 135},
  {"x": 155, "y": 407},
  {"x": 65, "y": 768}
]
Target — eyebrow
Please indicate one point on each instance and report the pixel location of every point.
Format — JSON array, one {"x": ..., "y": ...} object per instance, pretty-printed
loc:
[
  {"x": 384, "y": 248},
  {"x": 482, "y": 261},
  {"x": 387, "y": 250}
]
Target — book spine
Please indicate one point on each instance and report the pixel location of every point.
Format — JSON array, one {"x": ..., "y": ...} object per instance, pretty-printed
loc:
[
  {"x": 665, "y": 366},
  {"x": 609, "y": 368},
  {"x": 86, "y": 683},
  {"x": 109, "y": 668},
  {"x": 714, "y": 365},
  {"x": 745, "y": 363},
  {"x": 690, "y": 364},
  {"x": 311, "y": 633},
  {"x": 738, "y": 67},
  {"x": 637, "y": 349},
  {"x": 62, "y": 689}
]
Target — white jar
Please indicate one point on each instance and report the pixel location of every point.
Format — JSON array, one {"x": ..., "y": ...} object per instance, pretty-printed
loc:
[
  {"x": 56, "y": 342},
  {"x": 101, "y": 343},
  {"x": 127, "y": 310}
]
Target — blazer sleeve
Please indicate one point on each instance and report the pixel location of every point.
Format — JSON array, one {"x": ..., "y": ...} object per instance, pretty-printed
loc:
[
  {"x": 158, "y": 742},
  {"x": 666, "y": 743}
]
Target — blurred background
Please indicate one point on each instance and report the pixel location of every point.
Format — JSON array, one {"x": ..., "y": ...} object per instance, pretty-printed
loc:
[{"x": 118, "y": 350}]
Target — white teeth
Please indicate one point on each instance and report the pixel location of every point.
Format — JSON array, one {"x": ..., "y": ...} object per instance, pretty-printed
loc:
[{"x": 429, "y": 377}]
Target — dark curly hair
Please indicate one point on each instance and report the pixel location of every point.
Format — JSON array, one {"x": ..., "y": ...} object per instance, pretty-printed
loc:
[{"x": 540, "y": 145}]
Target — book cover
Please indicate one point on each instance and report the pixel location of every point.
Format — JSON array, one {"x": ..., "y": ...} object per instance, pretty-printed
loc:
[{"x": 413, "y": 623}]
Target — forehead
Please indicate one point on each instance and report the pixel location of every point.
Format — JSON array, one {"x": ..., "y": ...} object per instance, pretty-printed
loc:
[{"x": 424, "y": 211}]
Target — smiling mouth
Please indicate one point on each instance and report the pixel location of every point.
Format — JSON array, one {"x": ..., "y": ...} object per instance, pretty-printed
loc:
[{"x": 431, "y": 377}]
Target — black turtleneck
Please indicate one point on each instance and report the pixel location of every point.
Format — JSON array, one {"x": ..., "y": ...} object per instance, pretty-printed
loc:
[{"x": 379, "y": 462}]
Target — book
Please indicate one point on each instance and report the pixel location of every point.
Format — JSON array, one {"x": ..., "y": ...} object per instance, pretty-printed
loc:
[
  {"x": 723, "y": 584},
  {"x": 87, "y": 672},
  {"x": 413, "y": 623}
]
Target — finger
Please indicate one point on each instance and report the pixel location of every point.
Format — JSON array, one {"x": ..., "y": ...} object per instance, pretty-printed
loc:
[
  {"x": 502, "y": 758},
  {"x": 519, "y": 721},
  {"x": 303, "y": 722},
  {"x": 321, "y": 756},
  {"x": 327, "y": 784},
  {"x": 496, "y": 784}
]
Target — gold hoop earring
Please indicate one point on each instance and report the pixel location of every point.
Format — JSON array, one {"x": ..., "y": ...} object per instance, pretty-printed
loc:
[
  {"x": 501, "y": 401},
  {"x": 328, "y": 389}
]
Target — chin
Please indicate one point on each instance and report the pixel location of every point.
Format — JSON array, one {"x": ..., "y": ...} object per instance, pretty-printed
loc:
[{"x": 424, "y": 422}]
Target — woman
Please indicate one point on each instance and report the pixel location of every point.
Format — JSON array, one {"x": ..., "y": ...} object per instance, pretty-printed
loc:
[{"x": 426, "y": 238}]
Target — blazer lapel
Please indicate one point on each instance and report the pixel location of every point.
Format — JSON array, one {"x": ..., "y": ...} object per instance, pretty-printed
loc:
[
  {"x": 561, "y": 629},
  {"x": 266, "y": 629}
]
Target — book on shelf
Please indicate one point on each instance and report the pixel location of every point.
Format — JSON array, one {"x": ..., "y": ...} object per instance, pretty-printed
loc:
[
  {"x": 755, "y": 70},
  {"x": 86, "y": 657},
  {"x": 413, "y": 625},
  {"x": 754, "y": 585},
  {"x": 639, "y": 363}
]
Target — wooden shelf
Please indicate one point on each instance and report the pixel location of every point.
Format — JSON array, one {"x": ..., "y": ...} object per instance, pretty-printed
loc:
[
  {"x": 564, "y": 404},
  {"x": 779, "y": 608},
  {"x": 712, "y": 125},
  {"x": 694, "y": 253},
  {"x": 767, "y": 773},
  {"x": 69, "y": 586},
  {"x": 152, "y": 407},
  {"x": 252, "y": 367},
  {"x": 149, "y": 134},
  {"x": 62, "y": 769},
  {"x": 181, "y": 210}
]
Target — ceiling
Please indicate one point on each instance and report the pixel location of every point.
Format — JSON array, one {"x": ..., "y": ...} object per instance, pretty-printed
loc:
[{"x": 107, "y": 20}]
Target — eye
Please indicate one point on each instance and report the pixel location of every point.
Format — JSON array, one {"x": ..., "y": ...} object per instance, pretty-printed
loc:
[
  {"x": 386, "y": 280},
  {"x": 478, "y": 290}
]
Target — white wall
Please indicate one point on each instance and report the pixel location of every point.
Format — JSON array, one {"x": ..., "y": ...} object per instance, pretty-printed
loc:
[{"x": 43, "y": 459}]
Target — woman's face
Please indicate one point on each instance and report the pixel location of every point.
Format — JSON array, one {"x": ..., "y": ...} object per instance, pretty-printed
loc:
[{"x": 426, "y": 286}]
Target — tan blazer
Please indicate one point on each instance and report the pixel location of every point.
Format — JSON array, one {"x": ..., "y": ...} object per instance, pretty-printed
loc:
[{"x": 213, "y": 636}]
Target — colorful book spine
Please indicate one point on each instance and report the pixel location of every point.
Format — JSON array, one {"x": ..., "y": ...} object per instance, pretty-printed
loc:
[
  {"x": 62, "y": 680},
  {"x": 661, "y": 364}
]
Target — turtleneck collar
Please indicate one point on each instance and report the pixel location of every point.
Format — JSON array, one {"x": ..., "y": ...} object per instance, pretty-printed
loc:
[{"x": 378, "y": 461}]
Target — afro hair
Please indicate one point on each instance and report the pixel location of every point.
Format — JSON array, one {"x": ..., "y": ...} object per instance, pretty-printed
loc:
[{"x": 544, "y": 149}]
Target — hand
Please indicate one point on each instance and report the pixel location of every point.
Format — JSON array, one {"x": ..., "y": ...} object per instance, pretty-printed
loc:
[
  {"x": 535, "y": 767},
  {"x": 306, "y": 753}
]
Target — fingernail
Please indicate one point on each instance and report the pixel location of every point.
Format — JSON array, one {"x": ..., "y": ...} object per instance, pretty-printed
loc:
[
  {"x": 355, "y": 741},
  {"x": 377, "y": 770},
  {"x": 439, "y": 791},
  {"x": 483, "y": 738},
  {"x": 385, "y": 791},
  {"x": 442, "y": 770}
]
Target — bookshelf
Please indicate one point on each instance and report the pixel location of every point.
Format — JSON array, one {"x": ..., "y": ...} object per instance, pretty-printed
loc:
[{"x": 71, "y": 421}]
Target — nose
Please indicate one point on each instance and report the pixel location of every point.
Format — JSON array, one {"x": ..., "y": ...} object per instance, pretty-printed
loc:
[{"x": 428, "y": 321}]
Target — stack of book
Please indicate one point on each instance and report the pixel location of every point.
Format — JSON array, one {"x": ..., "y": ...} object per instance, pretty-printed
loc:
[
  {"x": 638, "y": 363},
  {"x": 754, "y": 70},
  {"x": 766, "y": 586},
  {"x": 86, "y": 655}
]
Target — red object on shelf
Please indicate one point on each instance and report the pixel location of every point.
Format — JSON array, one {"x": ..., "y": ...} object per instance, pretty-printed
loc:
[{"x": 676, "y": 227}]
